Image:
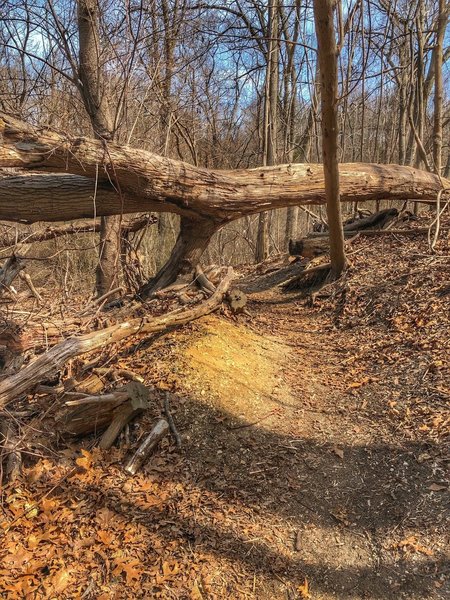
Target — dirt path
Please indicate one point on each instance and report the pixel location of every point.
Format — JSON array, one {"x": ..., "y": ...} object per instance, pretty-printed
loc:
[
  {"x": 312, "y": 482},
  {"x": 313, "y": 462}
]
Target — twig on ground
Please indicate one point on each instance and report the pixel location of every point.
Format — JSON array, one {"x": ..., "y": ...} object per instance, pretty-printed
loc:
[{"x": 171, "y": 422}]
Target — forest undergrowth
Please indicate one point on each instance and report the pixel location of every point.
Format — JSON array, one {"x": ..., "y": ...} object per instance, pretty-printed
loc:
[{"x": 314, "y": 458}]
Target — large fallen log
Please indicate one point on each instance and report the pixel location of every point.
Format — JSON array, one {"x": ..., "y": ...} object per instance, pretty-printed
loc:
[
  {"x": 145, "y": 181},
  {"x": 129, "y": 180},
  {"x": 51, "y": 362}
]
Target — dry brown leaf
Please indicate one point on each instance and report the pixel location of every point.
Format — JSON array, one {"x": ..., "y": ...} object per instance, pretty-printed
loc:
[
  {"x": 84, "y": 461},
  {"x": 106, "y": 537},
  {"x": 338, "y": 452},
  {"x": 411, "y": 544},
  {"x": 129, "y": 568},
  {"x": 195, "y": 592},
  {"x": 61, "y": 580}
]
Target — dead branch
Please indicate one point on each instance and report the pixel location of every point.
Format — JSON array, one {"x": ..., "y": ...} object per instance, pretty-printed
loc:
[
  {"x": 51, "y": 362},
  {"x": 171, "y": 422},
  {"x": 9, "y": 240},
  {"x": 160, "y": 430}
]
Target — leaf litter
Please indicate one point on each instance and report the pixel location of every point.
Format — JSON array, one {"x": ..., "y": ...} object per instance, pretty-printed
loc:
[{"x": 339, "y": 492}]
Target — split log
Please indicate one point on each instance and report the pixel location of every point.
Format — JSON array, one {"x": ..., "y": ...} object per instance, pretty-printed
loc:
[
  {"x": 93, "y": 413},
  {"x": 122, "y": 416},
  {"x": 48, "y": 364},
  {"x": 159, "y": 431}
]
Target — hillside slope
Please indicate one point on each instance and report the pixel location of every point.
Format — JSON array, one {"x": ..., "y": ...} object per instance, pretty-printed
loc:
[{"x": 313, "y": 460}]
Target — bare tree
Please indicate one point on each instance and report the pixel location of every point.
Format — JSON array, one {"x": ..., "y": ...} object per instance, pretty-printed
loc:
[
  {"x": 270, "y": 122},
  {"x": 327, "y": 51},
  {"x": 438, "y": 85},
  {"x": 94, "y": 93}
]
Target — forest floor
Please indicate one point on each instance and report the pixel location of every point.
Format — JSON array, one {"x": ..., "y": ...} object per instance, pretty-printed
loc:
[{"x": 314, "y": 458}]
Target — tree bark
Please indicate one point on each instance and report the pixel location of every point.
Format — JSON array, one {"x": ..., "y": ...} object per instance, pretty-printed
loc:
[
  {"x": 149, "y": 182},
  {"x": 438, "y": 86},
  {"x": 50, "y": 233},
  {"x": 193, "y": 238},
  {"x": 323, "y": 15},
  {"x": 95, "y": 97},
  {"x": 270, "y": 125}
]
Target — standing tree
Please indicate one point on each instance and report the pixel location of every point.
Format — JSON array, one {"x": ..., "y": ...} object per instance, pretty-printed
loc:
[
  {"x": 94, "y": 93},
  {"x": 327, "y": 50},
  {"x": 270, "y": 123},
  {"x": 438, "y": 86}
]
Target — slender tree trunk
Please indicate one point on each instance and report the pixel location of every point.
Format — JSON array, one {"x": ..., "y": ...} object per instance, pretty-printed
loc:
[
  {"x": 419, "y": 105},
  {"x": 94, "y": 94},
  {"x": 270, "y": 126},
  {"x": 327, "y": 51},
  {"x": 438, "y": 87}
]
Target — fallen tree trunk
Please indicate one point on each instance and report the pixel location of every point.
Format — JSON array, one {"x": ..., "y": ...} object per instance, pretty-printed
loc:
[
  {"x": 376, "y": 221},
  {"x": 112, "y": 179},
  {"x": 9, "y": 239},
  {"x": 48, "y": 364},
  {"x": 317, "y": 243},
  {"x": 148, "y": 182}
]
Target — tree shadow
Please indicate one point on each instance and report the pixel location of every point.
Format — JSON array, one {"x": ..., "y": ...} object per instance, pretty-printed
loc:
[{"x": 345, "y": 511}]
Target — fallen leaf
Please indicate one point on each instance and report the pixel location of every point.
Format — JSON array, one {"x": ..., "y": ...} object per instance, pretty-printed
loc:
[
  {"x": 196, "y": 593},
  {"x": 61, "y": 580},
  {"x": 85, "y": 461},
  {"x": 338, "y": 452},
  {"x": 437, "y": 487},
  {"x": 105, "y": 537},
  {"x": 303, "y": 589},
  {"x": 411, "y": 544},
  {"x": 130, "y": 570}
]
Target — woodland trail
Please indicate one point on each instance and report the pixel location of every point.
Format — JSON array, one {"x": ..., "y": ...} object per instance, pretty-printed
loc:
[{"x": 313, "y": 460}]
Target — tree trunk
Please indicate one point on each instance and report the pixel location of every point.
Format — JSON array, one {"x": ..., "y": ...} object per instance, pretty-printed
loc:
[
  {"x": 270, "y": 125},
  {"x": 94, "y": 94},
  {"x": 193, "y": 238},
  {"x": 152, "y": 183},
  {"x": 438, "y": 86},
  {"x": 323, "y": 15}
]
